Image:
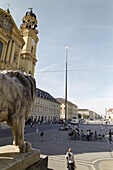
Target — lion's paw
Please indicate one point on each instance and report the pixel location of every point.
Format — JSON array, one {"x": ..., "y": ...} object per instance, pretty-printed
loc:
[{"x": 26, "y": 147}]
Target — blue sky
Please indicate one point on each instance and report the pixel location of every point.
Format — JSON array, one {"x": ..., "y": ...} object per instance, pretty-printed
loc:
[{"x": 86, "y": 26}]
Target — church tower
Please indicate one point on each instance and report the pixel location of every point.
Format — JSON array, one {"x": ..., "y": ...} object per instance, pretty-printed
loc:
[{"x": 29, "y": 33}]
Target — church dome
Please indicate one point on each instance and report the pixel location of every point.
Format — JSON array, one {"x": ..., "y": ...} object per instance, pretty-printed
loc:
[
  {"x": 29, "y": 21},
  {"x": 31, "y": 13}
]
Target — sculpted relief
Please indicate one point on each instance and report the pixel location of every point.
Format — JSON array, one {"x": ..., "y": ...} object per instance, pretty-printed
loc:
[
  {"x": 5, "y": 22},
  {"x": 17, "y": 93}
]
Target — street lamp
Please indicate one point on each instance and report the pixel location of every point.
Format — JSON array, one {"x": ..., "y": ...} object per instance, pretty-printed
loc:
[{"x": 66, "y": 89}]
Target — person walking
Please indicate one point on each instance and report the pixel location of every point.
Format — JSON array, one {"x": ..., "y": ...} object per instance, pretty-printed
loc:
[
  {"x": 82, "y": 135},
  {"x": 95, "y": 135},
  {"x": 36, "y": 131},
  {"x": 88, "y": 133},
  {"x": 70, "y": 160},
  {"x": 110, "y": 136},
  {"x": 42, "y": 136}
]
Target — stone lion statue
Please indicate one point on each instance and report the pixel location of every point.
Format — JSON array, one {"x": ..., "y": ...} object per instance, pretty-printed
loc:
[{"x": 17, "y": 93}]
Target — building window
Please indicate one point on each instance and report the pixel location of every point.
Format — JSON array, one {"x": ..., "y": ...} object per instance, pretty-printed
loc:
[
  {"x": 1, "y": 46},
  {"x": 15, "y": 57}
]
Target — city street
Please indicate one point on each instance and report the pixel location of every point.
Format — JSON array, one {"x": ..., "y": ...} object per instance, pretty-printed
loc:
[{"x": 88, "y": 154}]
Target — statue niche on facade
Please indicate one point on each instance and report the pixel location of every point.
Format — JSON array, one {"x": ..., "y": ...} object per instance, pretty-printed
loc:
[{"x": 17, "y": 93}]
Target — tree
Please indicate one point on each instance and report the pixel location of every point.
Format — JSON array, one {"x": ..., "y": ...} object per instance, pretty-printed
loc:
[
  {"x": 79, "y": 116},
  {"x": 86, "y": 116}
]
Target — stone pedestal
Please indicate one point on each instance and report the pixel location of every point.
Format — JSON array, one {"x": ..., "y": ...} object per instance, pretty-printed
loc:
[{"x": 11, "y": 159}]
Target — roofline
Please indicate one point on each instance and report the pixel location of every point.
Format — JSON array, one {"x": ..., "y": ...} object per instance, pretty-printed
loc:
[
  {"x": 64, "y": 101},
  {"x": 14, "y": 24},
  {"x": 48, "y": 94}
]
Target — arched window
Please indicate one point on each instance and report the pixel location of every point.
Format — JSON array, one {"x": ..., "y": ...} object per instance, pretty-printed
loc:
[{"x": 1, "y": 46}]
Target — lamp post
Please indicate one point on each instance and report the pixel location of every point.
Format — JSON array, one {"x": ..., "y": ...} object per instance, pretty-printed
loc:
[{"x": 66, "y": 90}]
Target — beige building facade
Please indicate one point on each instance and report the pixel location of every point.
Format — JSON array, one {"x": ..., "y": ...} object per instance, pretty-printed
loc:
[
  {"x": 18, "y": 46},
  {"x": 109, "y": 114},
  {"x": 72, "y": 109},
  {"x": 46, "y": 108},
  {"x": 88, "y": 114}
]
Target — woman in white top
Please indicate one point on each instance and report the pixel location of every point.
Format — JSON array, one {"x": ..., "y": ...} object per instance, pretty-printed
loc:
[{"x": 70, "y": 160}]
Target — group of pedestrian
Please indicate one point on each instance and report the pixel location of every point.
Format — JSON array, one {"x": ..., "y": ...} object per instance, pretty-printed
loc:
[
  {"x": 74, "y": 134},
  {"x": 88, "y": 135}
]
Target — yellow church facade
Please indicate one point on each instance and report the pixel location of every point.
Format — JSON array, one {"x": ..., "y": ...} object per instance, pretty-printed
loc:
[{"x": 18, "y": 46}]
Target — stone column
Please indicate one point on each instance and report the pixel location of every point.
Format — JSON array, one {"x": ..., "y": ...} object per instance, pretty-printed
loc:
[
  {"x": 8, "y": 51},
  {"x": 32, "y": 71},
  {"x": 12, "y": 52},
  {"x": 4, "y": 51},
  {"x": 18, "y": 59}
]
